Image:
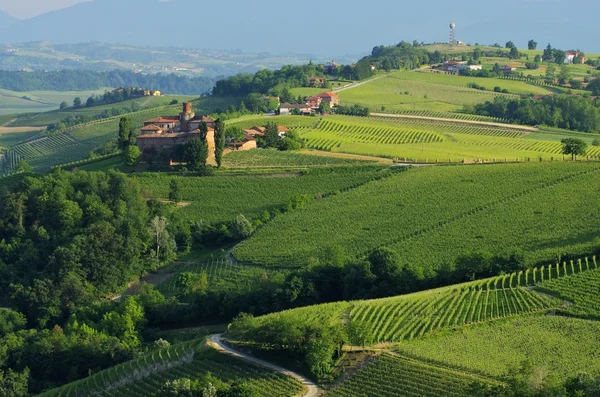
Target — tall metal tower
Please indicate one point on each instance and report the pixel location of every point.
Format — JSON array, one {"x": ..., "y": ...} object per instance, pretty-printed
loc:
[{"x": 452, "y": 34}]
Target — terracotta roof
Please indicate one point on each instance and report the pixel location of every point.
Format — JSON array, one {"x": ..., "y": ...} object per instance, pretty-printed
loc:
[
  {"x": 163, "y": 119},
  {"x": 151, "y": 127},
  {"x": 328, "y": 94},
  {"x": 317, "y": 78},
  {"x": 281, "y": 128}
]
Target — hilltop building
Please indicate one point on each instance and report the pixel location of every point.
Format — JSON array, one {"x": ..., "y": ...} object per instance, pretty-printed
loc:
[
  {"x": 171, "y": 131},
  {"x": 571, "y": 55}
]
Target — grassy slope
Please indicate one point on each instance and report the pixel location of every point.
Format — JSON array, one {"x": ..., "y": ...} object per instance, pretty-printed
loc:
[
  {"x": 274, "y": 158},
  {"x": 431, "y": 215},
  {"x": 13, "y": 102}
]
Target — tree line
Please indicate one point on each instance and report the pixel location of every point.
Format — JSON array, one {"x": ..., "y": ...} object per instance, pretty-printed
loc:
[
  {"x": 575, "y": 113},
  {"x": 80, "y": 80}
]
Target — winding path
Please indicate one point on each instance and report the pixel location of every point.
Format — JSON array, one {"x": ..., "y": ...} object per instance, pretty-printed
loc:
[{"x": 217, "y": 342}]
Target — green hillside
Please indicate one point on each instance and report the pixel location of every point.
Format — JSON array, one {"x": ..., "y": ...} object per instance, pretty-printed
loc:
[
  {"x": 393, "y": 375},
  {"x": 432, "y": 215},
  {"x": 191, "y": 360},
  {"x": 563, "y": 346}
]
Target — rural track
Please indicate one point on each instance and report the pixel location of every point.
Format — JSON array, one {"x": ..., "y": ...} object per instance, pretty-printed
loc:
[
  {"x": 459, "y": 121},
  {"x": 351, "y": 86},
  {"x": 217, "y": 342}
]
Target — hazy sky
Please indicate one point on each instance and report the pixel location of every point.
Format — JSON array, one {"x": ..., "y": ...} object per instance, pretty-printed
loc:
[{"x": 30, "y": 8}]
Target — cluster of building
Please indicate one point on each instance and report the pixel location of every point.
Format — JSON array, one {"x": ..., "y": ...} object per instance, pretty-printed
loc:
[
  {"x": 455, "y": 67},
  {"x": 167, "y": 132},
  {"x": 311, "y": 105}
]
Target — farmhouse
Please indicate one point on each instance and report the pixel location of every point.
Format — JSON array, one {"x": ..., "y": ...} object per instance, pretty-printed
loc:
[
  {"x": 507, "y": 69},
  {"x": 260, "y": 131},
  {"x": 331, "y": 66},
  {"x": 331, "y": 98},
  {"x": 457, "y": 68},
  {"x": 248, "y": 143},
  {"x": 288, "y": 108},
  {"x": 167, "y": 132},
  {"x": 314, "y": 101},
  {"x": 571, "y": 55}
]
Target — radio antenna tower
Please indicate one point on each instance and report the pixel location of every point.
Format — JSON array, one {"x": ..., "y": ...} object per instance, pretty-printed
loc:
[{"x": 452, "y": 34}]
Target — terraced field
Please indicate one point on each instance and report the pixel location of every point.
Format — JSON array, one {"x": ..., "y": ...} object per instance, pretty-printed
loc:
[
  {"x": 193, "y": 360},
  {"x": 432, "y": 215},
  {"x": 392, "y": 375}
]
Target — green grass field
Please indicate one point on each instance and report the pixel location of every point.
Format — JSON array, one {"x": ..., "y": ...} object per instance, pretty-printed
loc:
[
  {"x": 46, "y": 118},
  {"x": 431, "y": 215},
  {"x": 13, "y": 102},
  {"x": 564, "y": 346}
]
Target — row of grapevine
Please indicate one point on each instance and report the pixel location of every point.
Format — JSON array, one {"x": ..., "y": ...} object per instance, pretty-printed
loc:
[
  {"x": 391, "y": 375},
  {"x": 581, "y": 289},
  {"x": 193, "y": 360}
]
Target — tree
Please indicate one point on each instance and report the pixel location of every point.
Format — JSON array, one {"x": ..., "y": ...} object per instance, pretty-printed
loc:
[
  {"x": 219, "y": 141},
  {"x": 514, "y": 53},
  {"x": 574, "y": 146},
  {"x": 124, "y": 133},
  {"x": 24, "y": 167},
  {"x": 90, "y": 102},
  {"x": 548, "y": 55},
  {"x": 77, "y": 102},
  {"x": 174, "y": 193},
  {"x": 324, "y": 107},
  {"x": 63, "y": 105},
  {"x": 510, "y": 44},
  {"x": 551, "y": 74},
  {"x": 477, "y": 54},
  {"x": 131, "y": 155},
  {"x": 195, "y": 154},
  {"x": 272, "y": 138},
  {"x": 563, "y": 75},
  {"x": 537, "y": 59},
  {"x": 532, "y": 44},
  {"x": 14, "y": 384},
  {"x": 241, "y": 228}
]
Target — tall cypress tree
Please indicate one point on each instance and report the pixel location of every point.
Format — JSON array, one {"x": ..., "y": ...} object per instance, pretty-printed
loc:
[
  {"x": 124, "y": 133},
  {"x": 219, "y": 141}
]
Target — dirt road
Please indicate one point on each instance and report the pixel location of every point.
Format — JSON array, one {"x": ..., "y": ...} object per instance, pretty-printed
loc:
[{"x": 216, "y": 341}]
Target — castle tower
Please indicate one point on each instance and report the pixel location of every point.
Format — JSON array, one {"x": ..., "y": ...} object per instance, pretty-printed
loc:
[{"x": 185, "y": 117}]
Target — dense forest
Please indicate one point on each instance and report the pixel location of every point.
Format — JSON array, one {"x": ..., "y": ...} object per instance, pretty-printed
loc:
[
  {"x": 570, "y": 112},
  {"x": 79, "y": 80}
]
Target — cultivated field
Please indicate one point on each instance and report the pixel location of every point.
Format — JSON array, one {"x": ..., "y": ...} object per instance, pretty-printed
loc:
[
  {"x": 563, "y": 346},
  {"x": 193, "y": 360},
  {"x": 391, "y": 375},
  {"x": 423, "y": 140},
  {"x": 222, "y": 198},
  {"x": 431, "y": 215}
]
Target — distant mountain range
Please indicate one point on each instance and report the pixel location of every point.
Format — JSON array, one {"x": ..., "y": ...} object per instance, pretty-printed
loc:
[
  {"x": 326, "y": 28},
  {"x": 6, "y": 21}
]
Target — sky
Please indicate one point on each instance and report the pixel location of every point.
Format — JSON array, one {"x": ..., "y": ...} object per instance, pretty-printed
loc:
[{"x": 29, "y": 8}]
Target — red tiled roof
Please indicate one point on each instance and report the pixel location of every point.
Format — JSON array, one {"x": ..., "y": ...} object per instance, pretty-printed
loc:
[
  {"x": 206, "y": 119},
  {"x": 328, "y": 94},
  {"x": 151, "y": 127},
  {"x": 163, "y": 119}
]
